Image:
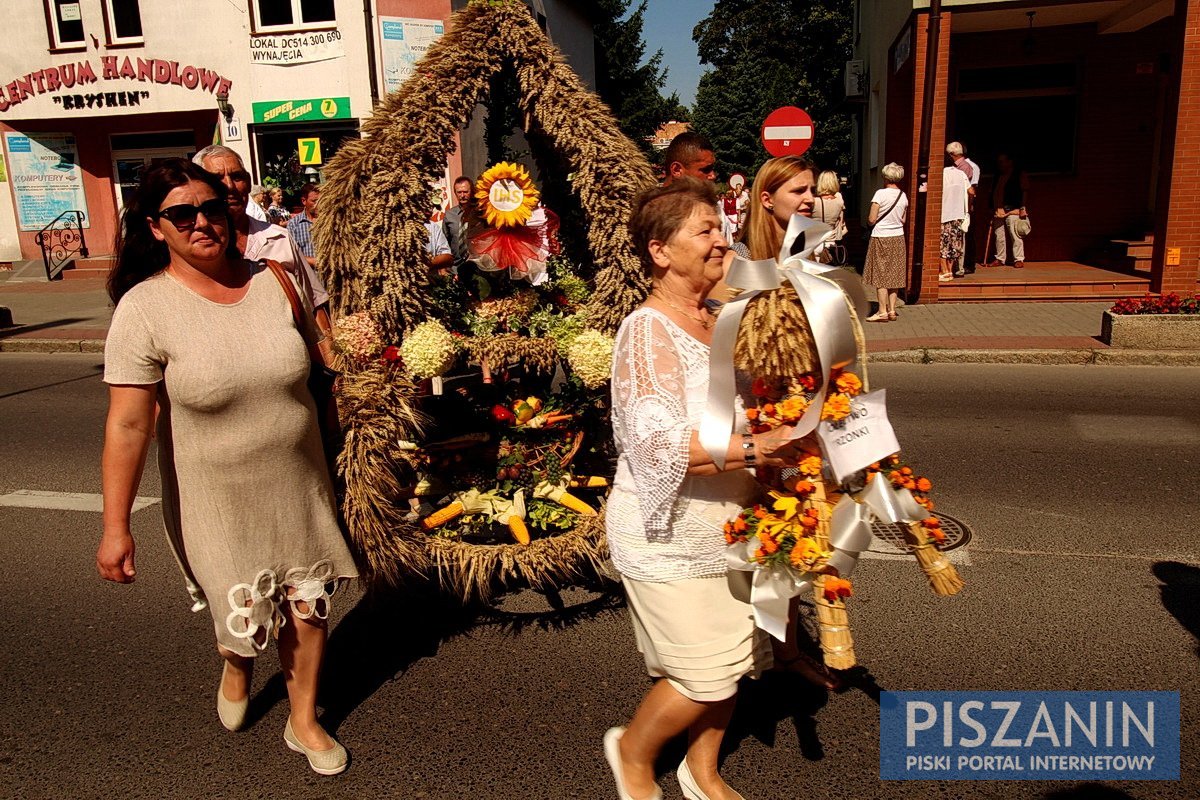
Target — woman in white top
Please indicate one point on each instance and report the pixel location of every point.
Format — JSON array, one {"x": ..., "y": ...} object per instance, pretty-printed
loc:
[
  {"x": 956, "y": 218},
  {"x": 692, "y": 619},
  {"x": 887, "y": 258}
]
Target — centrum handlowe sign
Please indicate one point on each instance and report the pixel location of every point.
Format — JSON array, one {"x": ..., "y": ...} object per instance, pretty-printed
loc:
[
  {"x": 83, "y": 74},
  {"x": 302, "y": 110}
]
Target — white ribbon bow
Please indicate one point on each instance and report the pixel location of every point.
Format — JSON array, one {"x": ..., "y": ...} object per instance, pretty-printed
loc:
[{"x": 823, "y": 293}]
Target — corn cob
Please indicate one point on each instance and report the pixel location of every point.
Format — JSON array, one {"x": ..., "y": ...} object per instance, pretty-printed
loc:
[
  {"x": 443, "y": 515},
  {"x": 557, "y": 493},
  {"x": 588, "y": 482},
  {"x": 568, "y": 500},
  {"x": 518, "y": 529}
]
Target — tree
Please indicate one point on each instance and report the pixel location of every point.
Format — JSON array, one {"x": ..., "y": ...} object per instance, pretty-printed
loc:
[
  {"x": 771, "y": 53},
  {"x": 631, "y": 88}
]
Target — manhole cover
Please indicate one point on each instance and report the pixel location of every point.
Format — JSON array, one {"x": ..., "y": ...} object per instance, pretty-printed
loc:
[{"x": 889, "y": 537}]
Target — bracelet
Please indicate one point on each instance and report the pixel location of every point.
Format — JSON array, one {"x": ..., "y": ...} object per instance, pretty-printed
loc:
[{"x": 748, "y": 455}]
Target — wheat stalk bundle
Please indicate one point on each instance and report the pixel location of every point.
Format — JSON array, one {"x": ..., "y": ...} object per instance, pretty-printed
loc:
[
  {"x": 774, "y": 338},
  {"x": 943, "y": 577},
  {"x": 833, "y": 619}
]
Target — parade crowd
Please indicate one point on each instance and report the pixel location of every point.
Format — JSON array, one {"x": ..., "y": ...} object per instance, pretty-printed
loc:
[{"x": 222, "y": 318}]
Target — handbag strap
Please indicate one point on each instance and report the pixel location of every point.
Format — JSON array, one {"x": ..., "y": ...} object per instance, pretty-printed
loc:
[
  {"x": 298, "y": 312},
  {"x": 895, "y": 203}
]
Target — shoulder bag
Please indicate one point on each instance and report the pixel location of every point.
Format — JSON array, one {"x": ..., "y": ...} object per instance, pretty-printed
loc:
[
  {"x": 869, "y": 226},
  {"x": 835, "y": 249},
  {"x": 321, "y": 378}
]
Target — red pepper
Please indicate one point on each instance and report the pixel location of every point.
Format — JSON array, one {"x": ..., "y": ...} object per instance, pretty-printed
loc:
[{"x": 503, "y": 415}]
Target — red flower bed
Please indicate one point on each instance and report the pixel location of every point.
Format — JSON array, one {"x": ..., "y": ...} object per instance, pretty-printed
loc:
[{"x": 1170, "y": 303}]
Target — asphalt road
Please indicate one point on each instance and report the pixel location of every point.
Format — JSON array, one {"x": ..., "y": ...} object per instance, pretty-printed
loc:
[{"x": 1080, "y": 484}]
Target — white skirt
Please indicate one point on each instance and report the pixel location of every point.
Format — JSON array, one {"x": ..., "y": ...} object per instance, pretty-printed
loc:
[{"x": 699, "y": 633}]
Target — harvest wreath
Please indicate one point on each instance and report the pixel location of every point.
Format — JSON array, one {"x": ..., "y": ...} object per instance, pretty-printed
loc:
[{"x": 474, "y": 404}]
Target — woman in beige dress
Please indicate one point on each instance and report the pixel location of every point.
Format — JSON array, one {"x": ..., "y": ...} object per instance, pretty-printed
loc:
[
  {"x": 829, "y": 206},
  {"x": 691, "y": 616},
  {"x": 209, "y": 338}
]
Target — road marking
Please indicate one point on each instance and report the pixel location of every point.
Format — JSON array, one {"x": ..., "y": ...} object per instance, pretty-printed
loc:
[
  {"x": 1141, "y": 429},
  {"x": 65, "y": 501}
]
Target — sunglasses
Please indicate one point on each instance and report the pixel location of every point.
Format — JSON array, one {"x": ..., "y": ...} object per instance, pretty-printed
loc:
[{"x": 184, "y": 214}]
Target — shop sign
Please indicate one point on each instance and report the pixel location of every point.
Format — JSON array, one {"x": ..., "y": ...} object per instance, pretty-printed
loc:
[
  {"x": 403, "y": 42},
  {"x": 310, "y": 152},
  {"x": 75, "y": 102},
  {"x": 302, "y": 110},
  {"x": 84, "y": 74},
  {"x": 46, "y": 177},
  {"x": 297, "y": 48}
]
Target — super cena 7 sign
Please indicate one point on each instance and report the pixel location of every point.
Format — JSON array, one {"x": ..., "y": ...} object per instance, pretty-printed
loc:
[
  {"x": 302, "y": 110},
  {"x": 788, "y": 131}
]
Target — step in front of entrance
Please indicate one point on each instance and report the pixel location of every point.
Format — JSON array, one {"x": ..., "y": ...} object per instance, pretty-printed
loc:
[
  {"x": 988, "y": 291},
  {"x": 85, "y": 268}
]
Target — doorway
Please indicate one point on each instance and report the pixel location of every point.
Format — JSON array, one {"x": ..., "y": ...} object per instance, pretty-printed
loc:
[{"x": 135, "y": 153}]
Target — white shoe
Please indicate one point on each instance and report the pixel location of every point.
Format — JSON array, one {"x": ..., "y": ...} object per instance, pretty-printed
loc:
[
  {"x": 232, "y": 713},
  {"x": 688, "y": 784},
  {"x": 612, "y": 754},
  {"x": 323, "y": 762}
]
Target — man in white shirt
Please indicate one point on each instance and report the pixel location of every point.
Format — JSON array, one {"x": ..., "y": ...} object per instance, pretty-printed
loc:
[{"x": 258, "y": 239}]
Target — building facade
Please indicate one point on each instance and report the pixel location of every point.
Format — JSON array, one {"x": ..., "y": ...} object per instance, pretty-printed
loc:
[
  {"x": 93, "y": 92},
  {"x": 1096, "y": 99}
]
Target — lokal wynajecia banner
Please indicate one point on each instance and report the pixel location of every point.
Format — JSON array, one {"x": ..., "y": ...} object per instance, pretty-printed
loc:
[{"x": 990, "y": 736}]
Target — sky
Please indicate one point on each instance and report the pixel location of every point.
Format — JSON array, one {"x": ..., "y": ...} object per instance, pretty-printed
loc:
[{"x": 668, "y": 26}]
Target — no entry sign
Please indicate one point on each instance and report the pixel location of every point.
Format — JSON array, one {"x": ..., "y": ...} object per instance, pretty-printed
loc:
[{"x": 787, "y": 131}]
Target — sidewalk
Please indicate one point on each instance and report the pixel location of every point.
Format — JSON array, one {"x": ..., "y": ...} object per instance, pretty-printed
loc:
[{"x": 72, "y": 315}]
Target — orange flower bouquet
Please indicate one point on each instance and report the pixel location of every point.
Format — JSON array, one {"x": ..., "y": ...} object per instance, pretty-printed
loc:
[
  {"x": 779, "y": 402},
  {"x": 923, "y": 535},
  {"x": 791, "y": 536}
]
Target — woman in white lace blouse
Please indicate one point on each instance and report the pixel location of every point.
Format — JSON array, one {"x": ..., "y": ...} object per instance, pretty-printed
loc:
[{"x": 691, "y": 618}]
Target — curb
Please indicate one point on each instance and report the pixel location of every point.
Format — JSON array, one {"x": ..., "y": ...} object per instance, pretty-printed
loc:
[
  {"x": 919, "y": 355},
  {"x": 1104, "y": 357},
  {"x": 51, "y": 345}
]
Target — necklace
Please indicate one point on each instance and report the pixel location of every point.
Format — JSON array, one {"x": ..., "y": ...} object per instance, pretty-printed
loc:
[{"x": 706, "y": 322}]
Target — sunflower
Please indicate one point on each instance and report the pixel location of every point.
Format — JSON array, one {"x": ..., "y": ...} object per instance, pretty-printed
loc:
[{"x": 507, "y": 195}]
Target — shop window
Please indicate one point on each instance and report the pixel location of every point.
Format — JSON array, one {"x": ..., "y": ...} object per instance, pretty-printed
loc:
[
  {"x": 281, "y": 15},
  {"x": 1030, "y": 112},
  {"x": 64, "y": 18},
  {"x": 123, "y": 21}
]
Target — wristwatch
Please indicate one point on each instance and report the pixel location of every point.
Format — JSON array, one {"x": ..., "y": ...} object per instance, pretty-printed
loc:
[{"x": 748, "y": 455}]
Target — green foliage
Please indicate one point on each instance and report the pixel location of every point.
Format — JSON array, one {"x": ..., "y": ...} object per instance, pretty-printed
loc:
[
  {"x": 545, "y": 516},
  {"x": 631, "y": 88},
  {"x": 284, "y": 172},
  {"x": 771, "y": 53}
]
